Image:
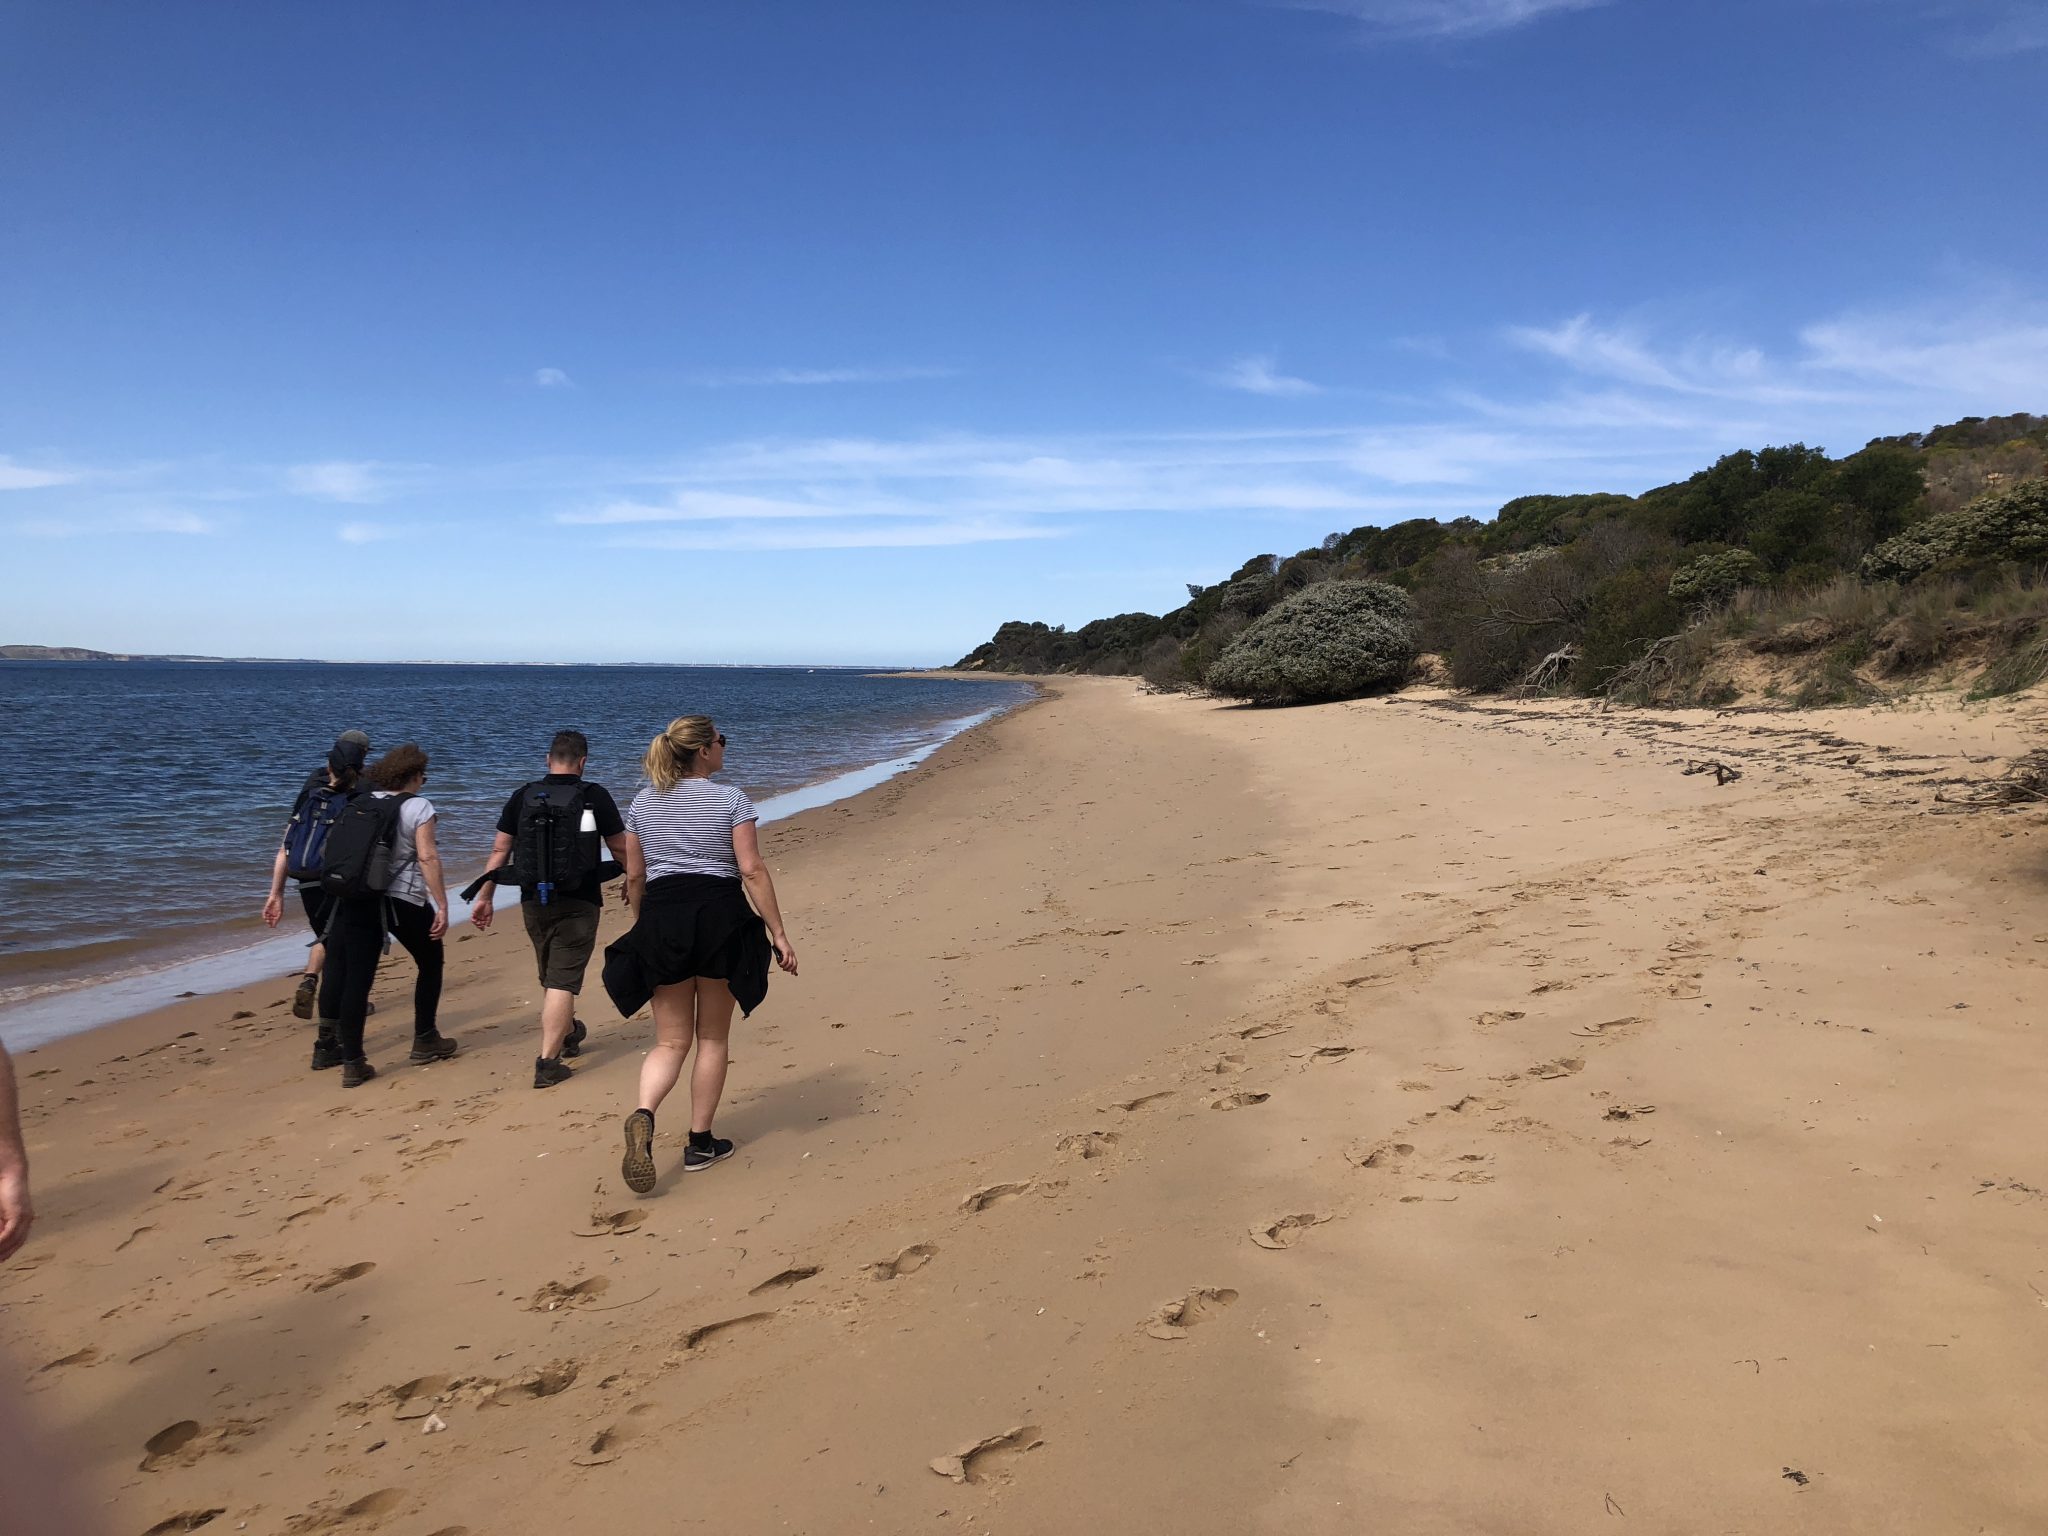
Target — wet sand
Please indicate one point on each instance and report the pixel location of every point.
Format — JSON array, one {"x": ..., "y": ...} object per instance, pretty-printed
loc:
[{"x": 1404, "y": 1116}]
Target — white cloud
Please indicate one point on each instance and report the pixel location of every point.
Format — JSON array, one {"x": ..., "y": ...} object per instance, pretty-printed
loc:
[
  {"x": 365, "y": 533},
  {"x": 552, "y": 378},
  {"x": 1996, "y": 29},
  {"x": 101, "y": 524},
  {"x": 1445, "y": 18},
  {"x": 21, "y": 477},
  {"x": 337, "y": 480},
  {"x": 1258, "y": 376},
  {"x": 723, "y": 378}
]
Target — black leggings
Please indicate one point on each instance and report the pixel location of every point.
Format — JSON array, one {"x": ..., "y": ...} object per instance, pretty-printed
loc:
[{"x": 355, "y": 942}]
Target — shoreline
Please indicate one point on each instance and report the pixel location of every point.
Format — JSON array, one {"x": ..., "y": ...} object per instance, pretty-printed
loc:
[
  {"x": 1193, "y": 1120},
  {"x": 35, "y": 1012}
]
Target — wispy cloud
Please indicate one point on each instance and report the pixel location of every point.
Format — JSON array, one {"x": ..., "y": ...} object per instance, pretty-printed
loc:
[
  {"x": 1995, "y": 29},
  {"x": 1260, "y": 376},
  {"x": 365, "y": 533},
  {"x": 742, "y": 377},
  {"x": 24, "y": 477},
  {"x": 101, "y": 524},
  {"x": 552, "y": 378},
  {"x": 1444, "y": 18},
  {"x": 337, "y": 480}
]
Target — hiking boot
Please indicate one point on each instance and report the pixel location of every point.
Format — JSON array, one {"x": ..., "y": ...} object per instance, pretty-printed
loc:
[
  {"x": 638, "y": 1166},
  {"x": 548, "y": 1071},
  {"x": 578, "y": 1033},
  {"x": 434, "y": 1047},
  {"x": 326, "y": 1051},
  {"x": 302, "y": 1000},
  {"x": 704, "y": 1150},
  {"x": 356, "y": 1073}
]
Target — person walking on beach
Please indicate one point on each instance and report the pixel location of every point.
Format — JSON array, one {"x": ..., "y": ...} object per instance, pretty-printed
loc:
[
  {"x": 304, "y": 835},
  {"x": 385, "y": 871},
  {"x": 696, "y": 949},
  {"x": 549, "y": 832},
  {"x": 17, "y": 1213}
]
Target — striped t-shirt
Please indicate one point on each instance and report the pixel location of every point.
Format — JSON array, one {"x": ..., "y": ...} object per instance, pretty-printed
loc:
[{"x": 688, "y": 830}]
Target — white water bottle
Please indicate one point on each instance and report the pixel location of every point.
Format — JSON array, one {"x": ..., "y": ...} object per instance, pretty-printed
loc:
[{"x": 588, "y": 824}]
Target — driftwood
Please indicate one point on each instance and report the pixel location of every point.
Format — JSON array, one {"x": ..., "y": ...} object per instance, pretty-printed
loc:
[
  {"x": 1637, "y": 681},
  {"x": 2024, "y": 783},
  {"x": 1723, "y": 774},
  {"x": 1549, "y": 673}
]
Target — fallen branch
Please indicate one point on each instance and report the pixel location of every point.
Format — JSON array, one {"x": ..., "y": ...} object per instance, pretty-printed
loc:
[
  {"x": 1723, "y": 774},
  {"x": 2024, "y": 783}
]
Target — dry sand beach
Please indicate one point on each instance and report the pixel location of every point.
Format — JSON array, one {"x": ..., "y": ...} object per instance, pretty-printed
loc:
[{"x": 1407, "y": 1116}]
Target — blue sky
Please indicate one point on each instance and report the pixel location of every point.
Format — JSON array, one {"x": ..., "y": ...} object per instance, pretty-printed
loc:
[{"x": 764, "y": 331}]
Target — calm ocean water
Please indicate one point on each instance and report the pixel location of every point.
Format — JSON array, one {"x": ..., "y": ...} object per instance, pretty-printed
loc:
[{"x": 144, "y": 800}]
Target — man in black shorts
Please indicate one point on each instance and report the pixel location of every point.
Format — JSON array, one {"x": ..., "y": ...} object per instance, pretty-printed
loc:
[
  {"x": 563, "y": 927},
  {"x": 351, "y": 750}
]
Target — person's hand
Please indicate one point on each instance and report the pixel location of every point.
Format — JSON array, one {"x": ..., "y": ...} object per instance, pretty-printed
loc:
[
  {"x": 16, "y": 1212},
  {"x": 482, "y": 910},
  {"x": 273, "y": 909},
  {"x": 785, "y": 953},
  {"x": 439, "y": 925}
]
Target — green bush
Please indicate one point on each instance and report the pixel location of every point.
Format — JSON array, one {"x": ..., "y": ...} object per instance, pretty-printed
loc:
[
  {"x": 1712, "y": 580},
  {"x": 2000, "y": 525},
  {"x": 1331, "y": 641},
  {"x": 1625, "y": 612}
]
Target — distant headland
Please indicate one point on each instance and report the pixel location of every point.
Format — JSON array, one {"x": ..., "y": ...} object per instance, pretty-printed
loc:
[{"x": 80, "y": 653}]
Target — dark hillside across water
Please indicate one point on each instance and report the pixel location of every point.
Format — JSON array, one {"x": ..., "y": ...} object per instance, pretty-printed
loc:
[{"x": 1587, "y": 591}]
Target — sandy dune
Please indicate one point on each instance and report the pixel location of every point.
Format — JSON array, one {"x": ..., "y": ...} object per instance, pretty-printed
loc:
[{"x": 1406, "y": 1117}]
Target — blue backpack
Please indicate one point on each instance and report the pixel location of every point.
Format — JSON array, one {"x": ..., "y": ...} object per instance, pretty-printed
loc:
[{"x": 305, "y": 836}]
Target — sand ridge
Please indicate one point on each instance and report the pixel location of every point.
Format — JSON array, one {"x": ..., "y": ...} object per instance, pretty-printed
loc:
[{"x": 1408, "y": 1115}]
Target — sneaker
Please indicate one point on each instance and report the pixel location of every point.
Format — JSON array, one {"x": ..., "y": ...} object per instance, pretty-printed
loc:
[
  {"x": 578, "y": 1033},
  {"x": 548, "y": 1071},
  {"x": 302, "y": 1000},
  {"x": 704, "y": 1150},
  {"x": 356, "y": 1073},
  {"x": 326, "y": 1052},
  {"x": 638, "y": 1166},
  {"x": 435, "y": 1047}
]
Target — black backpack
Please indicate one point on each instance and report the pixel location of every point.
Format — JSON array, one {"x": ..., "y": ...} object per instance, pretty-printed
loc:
[
  {"x": 550, "y": 854},
  {"x": 362, "y": 846},
  {"x": 306, "y": 834}
]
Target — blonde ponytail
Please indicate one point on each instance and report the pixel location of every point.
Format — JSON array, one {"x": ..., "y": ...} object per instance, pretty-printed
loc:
[{"x": 671, "y": 754}]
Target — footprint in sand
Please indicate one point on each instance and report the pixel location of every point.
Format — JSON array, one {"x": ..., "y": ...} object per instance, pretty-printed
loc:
[
  {"x": 705, "y": 1334},
  {"x": 610, "y": 1443},
  {"x": 1239, "y": 1100},
  {"x": 342, "y": 1276},
  {"x": 1088, "y": 1145},
  {"x": 784, "y": 1279},
  {"x": 187, "y": 1440},
  {"x": 1564, "y": 1066},
  {"x": 166, "y": 1443},
  {"x": 1381, "y": 1154},
  {"x": 1608, "y": 1027},
  {"x": 1173, "y": 1320},
  {"x": 371, "y": 1506},
  {"x": 1224, "y": 1065},
  {"x": 1262, "y": 1031},
  {"x": 184, "y": 1521},
  {"x": 979, "y": 1458},
  {"x": 1498, "y": 1017},
  {"x": 996, "y": 1194},
  {"x": 549, "y": 1381},
  {"x": 85, "y": 1356},
  {"x": 614, "y": 1224},
  {"x": 908, "y": 1262},
  {"x": 1128, "y": 1106},
  {"x": 1324, "y": 1053},
  {"x": 1282, "y": 1234},
  {"x": 556, "y": 1297},
  {"x": 419, "y": 1397}
]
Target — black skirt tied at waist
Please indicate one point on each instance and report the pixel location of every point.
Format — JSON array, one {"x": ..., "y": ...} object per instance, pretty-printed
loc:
[{"x": 689, "y": 925}]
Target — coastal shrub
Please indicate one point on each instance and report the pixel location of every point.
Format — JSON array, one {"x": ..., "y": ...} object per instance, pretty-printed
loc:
[
  {"x": 1624, "y": 613},
  {"x": 1712, "y": 580},
  {"x": 1331, "y": 641},
  {"x": 2010, "y": 524}
]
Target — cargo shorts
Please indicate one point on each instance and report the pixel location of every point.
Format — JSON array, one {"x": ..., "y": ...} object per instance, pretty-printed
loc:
[{"x": 564, "y": 934}]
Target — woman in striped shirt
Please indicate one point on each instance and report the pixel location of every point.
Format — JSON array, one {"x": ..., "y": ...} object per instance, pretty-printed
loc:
[{"x": 697, "y": 947}]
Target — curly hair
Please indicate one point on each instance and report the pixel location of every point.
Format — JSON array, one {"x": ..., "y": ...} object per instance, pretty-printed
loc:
[{"x": 398, "y": 767}]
